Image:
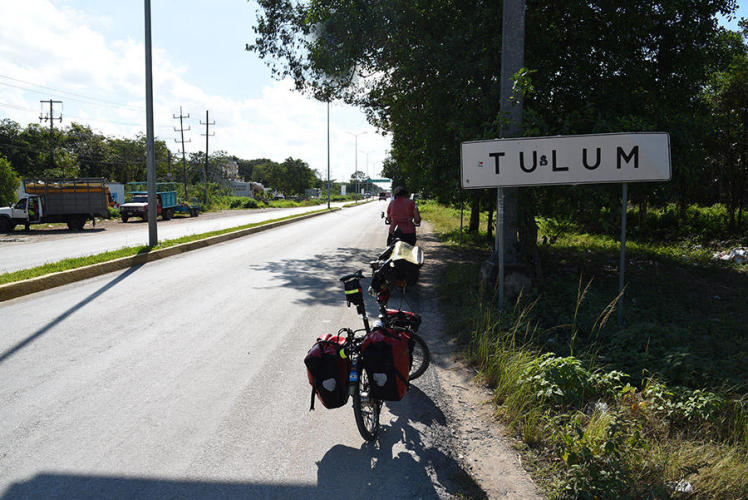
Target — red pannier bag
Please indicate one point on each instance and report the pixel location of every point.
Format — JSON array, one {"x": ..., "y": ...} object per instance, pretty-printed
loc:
[
  {"x": 403, "y": 319},
  {"x": 328, "y": 372},
  {"x": 386, "y": 358}
]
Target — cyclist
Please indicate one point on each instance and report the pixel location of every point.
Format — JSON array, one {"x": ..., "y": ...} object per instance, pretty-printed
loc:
[{"x": 402, "y": 216}]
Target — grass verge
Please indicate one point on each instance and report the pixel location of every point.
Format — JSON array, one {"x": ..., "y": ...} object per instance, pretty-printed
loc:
[
  {"x": 73, "y": 263},
  {"x": 654, "y": 408}
]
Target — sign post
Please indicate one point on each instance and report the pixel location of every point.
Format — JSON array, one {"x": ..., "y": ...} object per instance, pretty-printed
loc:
[
  {"x": 622, "y": 265},
  {"x": 572, "y": 159}
]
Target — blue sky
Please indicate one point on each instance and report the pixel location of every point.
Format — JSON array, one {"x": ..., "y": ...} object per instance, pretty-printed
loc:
[
  {"x": 89, "y": 54},
  {"x": 68, "y": 49}
]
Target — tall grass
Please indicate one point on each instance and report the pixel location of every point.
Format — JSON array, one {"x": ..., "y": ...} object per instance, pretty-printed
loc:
[{"x": 595, "y": 431}]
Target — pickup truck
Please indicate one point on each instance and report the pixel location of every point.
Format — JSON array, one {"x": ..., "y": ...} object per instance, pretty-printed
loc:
[
  {"x": 73, "y": 201},
  {"x": 137, "y": 206}
]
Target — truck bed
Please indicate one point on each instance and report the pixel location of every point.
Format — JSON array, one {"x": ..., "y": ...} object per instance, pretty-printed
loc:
[{"x": 71, "y": 197}]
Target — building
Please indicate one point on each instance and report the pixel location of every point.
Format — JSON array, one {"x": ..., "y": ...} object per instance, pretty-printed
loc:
[{"x": 230, "y": 170}]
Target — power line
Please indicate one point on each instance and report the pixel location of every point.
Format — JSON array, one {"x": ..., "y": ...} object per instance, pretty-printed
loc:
[
  {"x": 87, "y": 98},
  {"x": 100, "y": 120}
]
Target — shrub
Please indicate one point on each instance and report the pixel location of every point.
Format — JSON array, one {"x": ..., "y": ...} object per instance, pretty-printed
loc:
[
  {"x": 598, "y": 451},
  {"x": 113, "y": 213},
  {"x": 560, "y": 381}
]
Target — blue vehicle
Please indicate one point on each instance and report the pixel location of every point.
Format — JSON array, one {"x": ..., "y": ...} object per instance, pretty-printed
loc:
[
  {"x": 192, "y": 208},
  {"x": 137, "y": 200}
]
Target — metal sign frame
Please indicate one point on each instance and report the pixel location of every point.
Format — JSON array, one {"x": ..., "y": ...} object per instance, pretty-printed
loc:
[
  {"x": 568, "y": 160},
  {"x": 545, "y": 145}
]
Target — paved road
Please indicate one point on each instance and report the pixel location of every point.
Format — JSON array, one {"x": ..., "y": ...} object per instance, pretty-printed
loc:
[
  {"x": 21, "y": 250},
  {"x": 184, "y": 378}
]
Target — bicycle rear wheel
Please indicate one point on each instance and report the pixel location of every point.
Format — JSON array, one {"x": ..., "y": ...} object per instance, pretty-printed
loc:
[
  {"x": 421, "y": 358},
  {"x": 365, "y": 409}
]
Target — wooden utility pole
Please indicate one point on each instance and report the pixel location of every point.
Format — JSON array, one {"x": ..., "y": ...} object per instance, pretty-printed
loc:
[
  {"x": 51, "y": 118},
  {"x": 207, "y": 134},
  {"x": 181, "y": 131}
]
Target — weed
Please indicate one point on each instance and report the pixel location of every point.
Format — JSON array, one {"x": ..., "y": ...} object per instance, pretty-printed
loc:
[{"x": 629, "y": 411}]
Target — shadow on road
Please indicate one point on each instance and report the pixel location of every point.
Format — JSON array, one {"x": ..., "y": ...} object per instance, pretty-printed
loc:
[
  {"x": 37, "y": 231},
  {"x": 96, "y": 487},
  {"x": 415, "y": 437},
  {"x": 59, "y": 319},
  {"x": 318, "y": 276},
  {"x": 418, "y": 469}
]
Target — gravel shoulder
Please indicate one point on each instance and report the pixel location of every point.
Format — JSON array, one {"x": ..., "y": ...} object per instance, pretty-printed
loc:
[{"x": 483, "y": 445}]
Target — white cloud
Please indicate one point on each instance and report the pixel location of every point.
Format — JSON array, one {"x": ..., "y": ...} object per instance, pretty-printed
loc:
[{"x": 67, "y": 50}]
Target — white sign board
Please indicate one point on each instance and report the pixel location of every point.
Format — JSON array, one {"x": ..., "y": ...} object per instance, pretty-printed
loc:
[{"x": 571, "y": 159}]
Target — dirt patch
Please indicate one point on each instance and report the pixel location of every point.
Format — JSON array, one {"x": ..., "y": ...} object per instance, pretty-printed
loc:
[{"x": 483, "y": 445}]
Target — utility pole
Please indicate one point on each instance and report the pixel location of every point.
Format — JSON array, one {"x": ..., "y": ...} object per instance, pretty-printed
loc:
[
  {"x": 150, "y": 158},
  {"x": 507, "y": 200},
  {"x": 51, "y": 118},
  {"x": 207, "y": 134},
  {"x": 181, "y": 130}
]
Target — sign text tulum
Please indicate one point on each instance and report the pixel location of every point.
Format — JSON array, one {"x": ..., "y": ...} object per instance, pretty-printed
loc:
[{"x": 572, "y": 159}]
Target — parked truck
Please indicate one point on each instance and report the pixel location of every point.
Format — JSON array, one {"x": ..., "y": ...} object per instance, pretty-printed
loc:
[
  {"x": 137, "y": 204},
  {"x": 73, "y": 201}
]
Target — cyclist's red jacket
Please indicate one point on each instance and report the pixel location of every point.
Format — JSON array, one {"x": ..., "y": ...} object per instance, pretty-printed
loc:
[{"x": 401, "y": 212}]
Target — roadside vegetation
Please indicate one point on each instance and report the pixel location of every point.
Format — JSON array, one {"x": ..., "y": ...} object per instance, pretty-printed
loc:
[
  {"x": 654, "y": 408},
  {"x": 74, "y": 263}
]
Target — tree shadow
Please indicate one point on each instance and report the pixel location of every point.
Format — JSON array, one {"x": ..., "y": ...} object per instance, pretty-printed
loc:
[
  {"x": 318, "y": 276},
  {"x": 84, "y": 487}
]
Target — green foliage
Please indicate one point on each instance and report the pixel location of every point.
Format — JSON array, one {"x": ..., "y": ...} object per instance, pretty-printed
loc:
[
  {"x": 586, "y": 65},
  {"x": 561, "y": 381},
  {"x": 113, "y": 213},
  {"x": 9, "y": 183},
  {"x": 615, "y": 435},
  {"x": 597, "y": 451}
]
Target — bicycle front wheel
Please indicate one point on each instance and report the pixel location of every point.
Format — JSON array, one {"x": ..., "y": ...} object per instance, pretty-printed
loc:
[
  {"x": 366, "y": 409},
  {"x": 421, "y": 358}
]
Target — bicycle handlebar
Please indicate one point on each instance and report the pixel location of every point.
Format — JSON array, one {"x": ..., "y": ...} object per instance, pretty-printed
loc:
[{"x": 358, "y": 274}]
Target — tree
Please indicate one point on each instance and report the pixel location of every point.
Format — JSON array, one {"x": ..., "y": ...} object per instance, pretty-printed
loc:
[
  {"x": 298, "y": 177},
  {"x": 9, "y": 183},
  {"x": 427, "y": 73},
  {"x": 727, "y": 97}
]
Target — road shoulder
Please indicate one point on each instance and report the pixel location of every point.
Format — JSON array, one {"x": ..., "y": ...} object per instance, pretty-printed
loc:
[{"x": 484, "y": 447}]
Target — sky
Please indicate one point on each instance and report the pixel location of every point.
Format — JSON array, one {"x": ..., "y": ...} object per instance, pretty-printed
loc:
[{"x": 90, "y": 55}]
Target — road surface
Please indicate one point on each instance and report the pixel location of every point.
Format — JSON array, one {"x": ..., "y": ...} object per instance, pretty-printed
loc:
[
  {"x": 184, "y": 378},
  {"x": 23, "y": 250}
]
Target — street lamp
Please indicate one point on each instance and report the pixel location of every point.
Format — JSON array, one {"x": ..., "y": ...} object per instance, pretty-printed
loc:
[
  {"x": 355, "y": 200},
  {"x": 367, "y": 170}
]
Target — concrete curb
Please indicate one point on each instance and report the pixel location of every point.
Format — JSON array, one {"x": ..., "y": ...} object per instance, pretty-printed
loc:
[{"x": 33, "y": 285}]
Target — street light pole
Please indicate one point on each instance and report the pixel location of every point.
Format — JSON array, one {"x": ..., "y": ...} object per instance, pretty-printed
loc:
[
  {"x": 150, "y": 150},
  {"x": 355, "y": 199}
]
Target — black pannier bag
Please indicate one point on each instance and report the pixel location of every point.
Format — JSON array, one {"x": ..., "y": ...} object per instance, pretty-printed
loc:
[
  {"x": 353, "y": 293},
  {"x": 328, "y": 372},
  {"x": 400, "y": 266},
  {"x": 386, "y": 356}
]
